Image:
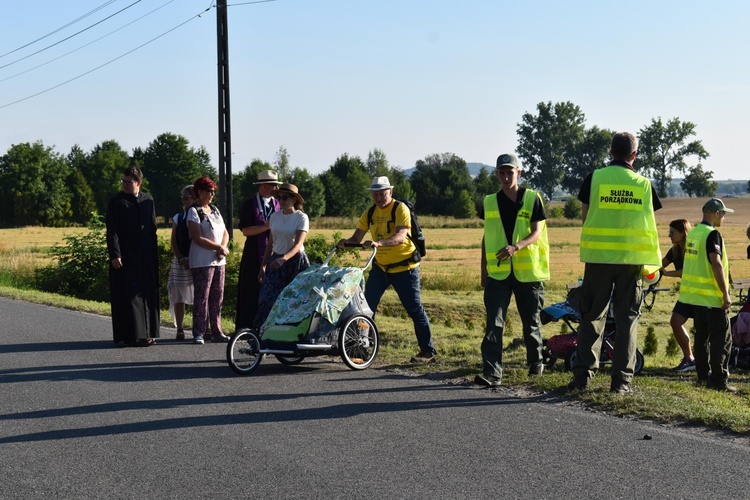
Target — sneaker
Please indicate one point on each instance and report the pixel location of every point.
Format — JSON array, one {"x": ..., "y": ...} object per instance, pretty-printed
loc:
[
  {"x": 578, "y": 383},
  {"x": 219, "y": 339},
  {"x": 424, "y": 357},
  {"x": 198, "y": 339},
  {"x": 536, "y": 369},
  {"x": 685, "y": 365},
  {"x": 487, "y": 381},
  {"x": 207, "y": 336},
  {"x": 721, "y": 386},
  {"x": 180, "y": 335},
  {"x": 621, "y": 388}
]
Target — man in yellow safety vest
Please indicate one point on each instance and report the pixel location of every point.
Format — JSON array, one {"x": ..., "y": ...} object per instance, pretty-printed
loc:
[
  {"x": 619, "y": 244},
  {"x": 705, "y": 285},
  {"x": 515, "y": 261}
]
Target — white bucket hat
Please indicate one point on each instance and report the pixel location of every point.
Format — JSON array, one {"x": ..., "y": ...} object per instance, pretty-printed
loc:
[{"x": 380, "y": 183}]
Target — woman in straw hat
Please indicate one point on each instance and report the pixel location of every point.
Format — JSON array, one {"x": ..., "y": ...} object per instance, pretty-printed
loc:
[{"x": 285, "y": 254}]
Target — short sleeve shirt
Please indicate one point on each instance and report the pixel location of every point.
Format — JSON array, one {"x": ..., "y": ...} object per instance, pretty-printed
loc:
[
  {"x": 509, "y": 211},
  {"x": 382, "y": 228}
]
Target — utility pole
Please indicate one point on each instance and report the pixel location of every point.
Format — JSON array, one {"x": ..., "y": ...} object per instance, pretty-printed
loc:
[{"x": 225, "y": 129}]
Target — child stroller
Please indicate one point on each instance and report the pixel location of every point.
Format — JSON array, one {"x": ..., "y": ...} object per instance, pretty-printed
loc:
[
  {"x": 565, "y": 346},
  {"x": 739, "y": 356},
  {"x": 323, "y": 311}
]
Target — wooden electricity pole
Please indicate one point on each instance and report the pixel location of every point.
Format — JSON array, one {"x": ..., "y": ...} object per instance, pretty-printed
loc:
[{"x": 225, "y": 129}]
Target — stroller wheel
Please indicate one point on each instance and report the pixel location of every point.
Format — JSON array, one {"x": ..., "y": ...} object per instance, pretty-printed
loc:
[
  {"x": 359, "y": 342},
  {"x": 243, "y": 352},
  {"x": 547, "y": 357},
  {"x": 639, "y": 362},
  {"x": 289, "y": 360},
  {"x": 570, "y": 359}
]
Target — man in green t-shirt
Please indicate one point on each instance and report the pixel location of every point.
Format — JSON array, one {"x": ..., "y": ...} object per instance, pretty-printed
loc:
[{"x": 396, "y": 263}]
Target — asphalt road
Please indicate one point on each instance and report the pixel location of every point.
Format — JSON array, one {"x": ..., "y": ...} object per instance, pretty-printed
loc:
[{"x": 80, "y": 418}]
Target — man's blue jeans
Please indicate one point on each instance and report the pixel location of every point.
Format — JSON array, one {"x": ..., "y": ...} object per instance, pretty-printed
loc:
[{"x": 406, "y": 285}]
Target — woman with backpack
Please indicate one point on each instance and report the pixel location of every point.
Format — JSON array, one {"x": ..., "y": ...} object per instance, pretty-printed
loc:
[
  {"x": 180, "y": 281},
  {"x": 208, "y": 252}
]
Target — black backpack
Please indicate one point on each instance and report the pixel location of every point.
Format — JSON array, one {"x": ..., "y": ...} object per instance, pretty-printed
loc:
[
  {"x": 415, "y": 235},
  {"x": 183, "y": 235}
]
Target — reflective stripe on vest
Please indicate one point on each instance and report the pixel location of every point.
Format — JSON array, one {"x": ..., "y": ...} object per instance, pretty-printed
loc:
[
  {"x": 699, "y": 285},
  {"x": 620, "y": 226},
  {"x": 529, "y": 264}
]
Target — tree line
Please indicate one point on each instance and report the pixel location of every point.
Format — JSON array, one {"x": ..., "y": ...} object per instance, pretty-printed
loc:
[{"x": 39, "y": 186}]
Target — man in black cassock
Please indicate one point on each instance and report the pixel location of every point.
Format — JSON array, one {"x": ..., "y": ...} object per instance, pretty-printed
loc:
[{"x": 133, "y": 270}]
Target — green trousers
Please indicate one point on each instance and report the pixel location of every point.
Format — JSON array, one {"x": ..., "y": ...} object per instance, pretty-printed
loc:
[{"x": 623, "y": 285}]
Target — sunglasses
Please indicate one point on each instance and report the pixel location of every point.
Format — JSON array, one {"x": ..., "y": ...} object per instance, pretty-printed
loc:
[
  {"x": 284, "y": 197},
  {"x": 187, "y": 198}
]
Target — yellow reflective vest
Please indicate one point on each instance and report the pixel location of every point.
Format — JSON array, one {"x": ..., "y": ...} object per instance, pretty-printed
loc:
[
  {"x": 529, "y": 264},
  {"x": 699, "y": 285},
  {"x": 620, "y": 226}
]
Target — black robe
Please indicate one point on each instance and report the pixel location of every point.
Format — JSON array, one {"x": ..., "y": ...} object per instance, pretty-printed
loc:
[
  {"x": 134, "y": 288},
  {"x": 248, "y": 288}
]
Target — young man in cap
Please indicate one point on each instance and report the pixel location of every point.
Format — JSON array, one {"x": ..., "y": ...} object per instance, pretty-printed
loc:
[
  {"x": 254, "y": 216},
  {"x": 515, "y": 261},
  {"x": 705, "y": 285},
  {"x": 619, "y": 245},
  {"x": 396, "y": 261}
]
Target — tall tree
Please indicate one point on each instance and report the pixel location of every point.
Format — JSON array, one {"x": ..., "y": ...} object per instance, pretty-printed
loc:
[
  {"x": 33, "y": 188},
  {"x": 102, "y": 169},
  {"x": 312, "y": 190},
  {"x": 547, "y": 141},
  {"x": 698, "y": 182},
  {"x": 346, "y": 183},
  {"x": 82, "y": 204},
  {"x": 169, "y": 163},
  {"x": 485, "y": 183},
  {"x": 243, "y": 183},
  {"x": 590, "y": 153},
  {"x": 377, "y": 163},
  {"x": 663, "y": 149},
  {"x": 281, "y": 164},
  {"x": 438, "y": 181}
]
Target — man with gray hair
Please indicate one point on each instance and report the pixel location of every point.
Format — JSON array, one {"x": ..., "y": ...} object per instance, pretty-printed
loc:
[
  {"x": 619, "y": 245},
  {"x": 396, "y": 262}
]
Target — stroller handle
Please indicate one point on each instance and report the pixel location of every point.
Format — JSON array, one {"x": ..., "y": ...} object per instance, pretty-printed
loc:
[{"x": 352, "y": 245}]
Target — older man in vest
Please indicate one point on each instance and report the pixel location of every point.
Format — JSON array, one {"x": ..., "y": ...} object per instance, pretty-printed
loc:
[
  {"x": 515, "y": 261},
  {"x": 619, "y": 244},
  {"x": 705, "y": 285}
]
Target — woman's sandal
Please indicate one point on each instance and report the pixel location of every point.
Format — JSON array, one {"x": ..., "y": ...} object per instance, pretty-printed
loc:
[{"x": 180, "y": 335}]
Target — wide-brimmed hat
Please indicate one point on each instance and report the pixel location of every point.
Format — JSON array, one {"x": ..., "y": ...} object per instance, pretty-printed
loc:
[
  {"x": 380, "y": 183},
  {"x": 267, "y": 177},
  {"x": 716, "y": 204},
  {"x": 290, "y": 189}
]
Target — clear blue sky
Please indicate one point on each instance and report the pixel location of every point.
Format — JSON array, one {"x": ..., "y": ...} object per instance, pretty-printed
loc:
[{"x": 411, "y": 77}]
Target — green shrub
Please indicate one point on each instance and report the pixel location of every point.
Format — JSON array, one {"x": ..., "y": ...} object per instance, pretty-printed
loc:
[
  {"x": 650, "y": 343},
  {"x": 572, "y": 209},
  {"x": 556, "y": 213},
  {"x": 81, "y": 267}
]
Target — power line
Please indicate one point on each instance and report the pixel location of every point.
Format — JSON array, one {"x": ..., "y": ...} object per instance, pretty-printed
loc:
[
  {"x": 86, "y": 45},
  {"x": 249, "y": 3},
  {"x": 71, "y": 36},
  {"x": 60, "y": 28},
  {"x": 105, "y": 64}
]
